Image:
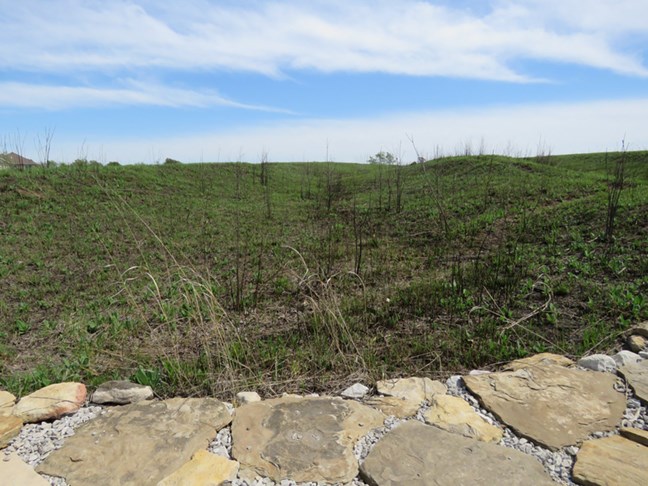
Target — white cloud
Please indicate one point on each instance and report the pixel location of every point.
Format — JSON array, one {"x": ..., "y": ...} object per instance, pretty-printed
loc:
[
  {"x": 513, "y": 130},
  {"x": 270, "y": 37},
  {"x": 610, "y": 17},
  {"x": 132, "y": 93}
]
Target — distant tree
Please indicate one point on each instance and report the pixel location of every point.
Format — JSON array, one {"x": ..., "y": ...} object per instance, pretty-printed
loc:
[
  {"x": 265, "y": 176},
  {"x": 264, "y": 169},
  {"x": 113, "y": 163},
  {"x": 383, "y": 158},
  {"x": 44, "y": 143},
  {"x": 169, "y": 161}
]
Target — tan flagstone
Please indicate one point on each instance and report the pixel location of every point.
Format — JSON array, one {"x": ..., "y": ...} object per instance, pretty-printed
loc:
[
  {"x": 140, "y": 443},
  {"x": 611, "y": 461},
  {"x": 398, "y": 407},
  {"x": 7, "y": 402},
  {"x": 415, "y": 454},
  {"x": 51, "y": 402},
  {"x": 302, "y": 439},
  {"x": 9, "y": 428},
  {"x": 637, "y": 376},
  {"x": 455, "y": 415},
  {"x": 204, "y": 469},
  {"x": 637, "y": 435},
  {"x": 121, "y": 392},
  {"x": 15, "y": 472},
  {"x": 551, "y": 405},
  {"x": 414, "y": 389},
  {"x": 541, "y": 359}
]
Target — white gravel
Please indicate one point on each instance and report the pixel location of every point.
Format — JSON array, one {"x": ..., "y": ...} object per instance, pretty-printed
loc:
[
  {"x": 37, "y": 441},
  {"x": 222, "y": 444}
]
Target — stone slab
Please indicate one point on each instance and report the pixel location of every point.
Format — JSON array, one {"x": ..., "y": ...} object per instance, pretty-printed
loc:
[
  {"x": 204, "y": 469},
  {"x": 415, "y": 454},
  {"x": 141, "y": 443},
  {"x": 395, "y": 406},
  {"x": 51, "y": 402},
  {"x": 611, "y": 461},
  {"x": 121, "y": 392},
  {"x": 455, "y": 415},
  {"x": 551, "y": 405},
  {"x": 415, "y": 389},
  {"x": 637, "y": 435},
  {"x": 7, "y": 402},
  {"x": 404, "y": 396},
  {"x": 637, "y": 377},
  {"x": 302, "y": 439},
  {"x": 15, "y": 472},
  {"x": 9, "y": 428},
  {"x": 541, "y": 359}
]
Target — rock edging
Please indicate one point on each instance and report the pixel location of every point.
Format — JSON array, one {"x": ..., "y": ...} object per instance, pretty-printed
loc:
[{"x": 413, "y": 431}]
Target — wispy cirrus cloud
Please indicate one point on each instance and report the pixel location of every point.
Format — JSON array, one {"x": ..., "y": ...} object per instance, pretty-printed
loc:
[
  {"x": 608, "y": 18},
  {"x": 408, "y": 37},
  {"x": 130, "y": 93}
]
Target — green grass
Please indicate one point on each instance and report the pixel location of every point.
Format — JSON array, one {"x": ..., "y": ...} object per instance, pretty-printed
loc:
[{"x": 193, "y": 279}]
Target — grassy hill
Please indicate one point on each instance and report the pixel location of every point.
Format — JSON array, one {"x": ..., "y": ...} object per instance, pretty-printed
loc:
[{"x": 201, "y": 279}]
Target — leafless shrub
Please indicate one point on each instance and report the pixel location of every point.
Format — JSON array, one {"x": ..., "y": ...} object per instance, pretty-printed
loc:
[{"x": 615, "y": 187}]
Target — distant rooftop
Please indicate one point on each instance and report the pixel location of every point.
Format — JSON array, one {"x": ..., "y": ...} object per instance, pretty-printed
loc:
[{"x": 12, "y": 159}]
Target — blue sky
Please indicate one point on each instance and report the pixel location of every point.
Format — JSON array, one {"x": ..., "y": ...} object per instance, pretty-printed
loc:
[{"x": 142, "y": 80}]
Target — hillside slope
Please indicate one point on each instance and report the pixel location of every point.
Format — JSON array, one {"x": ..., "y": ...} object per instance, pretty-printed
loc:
[{"x": 200, "y": 279}]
